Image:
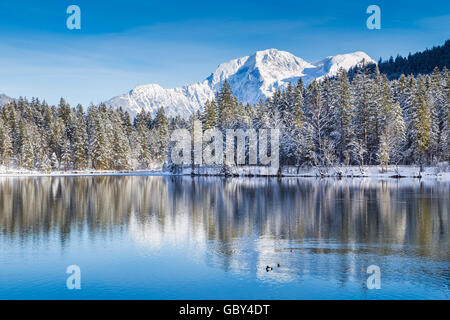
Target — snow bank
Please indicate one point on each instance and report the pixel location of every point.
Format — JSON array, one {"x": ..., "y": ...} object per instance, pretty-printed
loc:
[
  {"x": 442, "y": 172},
  {"x": 436, "y": 172},
  {"x": 34, "y": 173}
]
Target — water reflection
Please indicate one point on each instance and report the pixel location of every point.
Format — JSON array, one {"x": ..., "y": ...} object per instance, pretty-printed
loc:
[{"x": 326, "y": 228}]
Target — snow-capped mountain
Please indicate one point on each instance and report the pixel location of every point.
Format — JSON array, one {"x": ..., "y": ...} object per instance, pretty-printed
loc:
[
  {"x": 251, "y": 78},
  {"x": 4, "y": 99}
]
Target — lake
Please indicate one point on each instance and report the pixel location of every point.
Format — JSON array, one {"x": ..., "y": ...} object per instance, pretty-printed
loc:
[{"x": 163, "y": 237}]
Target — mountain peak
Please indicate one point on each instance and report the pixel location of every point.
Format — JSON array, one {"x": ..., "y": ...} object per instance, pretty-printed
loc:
[
  {"x": 251, "y": 78},
  {"x": 274, "y": 56}
]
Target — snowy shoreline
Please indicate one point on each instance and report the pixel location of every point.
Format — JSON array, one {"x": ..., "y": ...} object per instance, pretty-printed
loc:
[
  {"x": 32, "y": 173},
  {"x": 392, "y": 172}
]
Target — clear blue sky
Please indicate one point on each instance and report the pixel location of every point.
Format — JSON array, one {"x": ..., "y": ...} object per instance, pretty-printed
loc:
[{"x": 122, "y": 44}]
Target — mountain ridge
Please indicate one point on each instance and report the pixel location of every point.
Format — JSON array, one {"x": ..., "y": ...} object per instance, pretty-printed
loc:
[{"x": 251, "y": 78}]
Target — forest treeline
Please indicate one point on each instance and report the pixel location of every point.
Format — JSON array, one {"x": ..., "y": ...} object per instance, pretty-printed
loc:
[
  {"x": 418, "y": 63},
  {"x": 369, "y": 120}
]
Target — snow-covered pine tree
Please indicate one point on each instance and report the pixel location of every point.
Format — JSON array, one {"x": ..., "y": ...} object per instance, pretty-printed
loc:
[
  {"x": 120, "y": 146},
  {"x": 281, "y": 106},
  {"x": 422, "y": 121},
  {"x": 56, "y": 139},
  {"x": 12, "y": 122},
  {"x": 342, "y": 116},
  {"x": 261, "y": 119},
  {"x": 126, "y": 122},
  {"x": 296, "y": 122},
  {"x": 396, "y": 130},
  {"x": 45, "y": 165},
  {"x": 68, "y": 117},
  {"x": 362, "y": 121},
  {"x": 209, "y": 117},
  {"x": 54, "y": 161},
  {"x": 66, "y": 158},
  {"x": 445, "y": 118},
  {"x": 435, "y": 97},
  {"x": 26, "y": 151},
  {"x": 99, "y": 145},
  {"x": 409, "y": 108},
  {"x": 161, "y": 134},
  {"x": 143, "y": 147},
  {"x": 80, "y": 147},
  {"x": 6, "y": 147},
  {"x": 384, "y": 151},
  {"x": 227, "y": 105},
  {"x": 380, "y": 101},
  {"x": 319, "y": 119}
]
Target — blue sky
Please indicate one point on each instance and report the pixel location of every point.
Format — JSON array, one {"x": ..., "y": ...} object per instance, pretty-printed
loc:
[{"x": 122, "y": 44}]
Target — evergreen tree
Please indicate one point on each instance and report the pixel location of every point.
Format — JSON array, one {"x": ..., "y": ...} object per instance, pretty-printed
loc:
[
  {"x": 66, "y": 158},
  {"x": 121, "y": 147},
  {"x": 445, "y": 119},
  {"x": 362, "y": 121},
  {"x": 209, "y": 117},
  {"x": 80, "y": 149},
  {"x": 227, "y": 106},
  {"x": 6, "y": 147},
  {"x": 27, "y": 152},
  {"x": 162, "y": 135},
  {"x": 319, "y": 118},
  {"x": 343, "y": 116},
  {"x": 54, "y": 161},
  {"x": 422, "y": 122},
  {"x": 99, "y": 156},
  {"x": 45, "y": 164},
  {"x": 383, "y": 154}
]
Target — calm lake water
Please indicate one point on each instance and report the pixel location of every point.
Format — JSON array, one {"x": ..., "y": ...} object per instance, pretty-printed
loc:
[{"x": 159, "y": 237}]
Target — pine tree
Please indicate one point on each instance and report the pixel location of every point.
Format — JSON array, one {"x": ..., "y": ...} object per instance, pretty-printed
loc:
[
  {"x": 422, "y": 130},
  {"x": 362, "y": 121},
  {"x": 209, "y": 117},
  {"x": 80, "y": 149},
  {"x": 161, "y": 134},
  {"x": 396, "y": 131},
  {"x": 45, "y": 164},
  {"x": 54, "y": 161},
  {"x": 409, "y": 108},
  {"x": 319, "y": 118},
  {"x": 296, "y": 122},
  {"x": 436, "y": 98},
  {"x": 27, "y": 152},
  {"x": 383, "y": 153},
  {"x": 66, "y": 159},
  {"x": 99, "y": 152},
  {"x": 121, "y": 147},
  {"x": 343, "y": 116},
  {"x": 445, "y": 118},
  {"x": 227, "y": 106},
  {"x": 6, "y": 147},
  {"x": 142, "y": 146}
]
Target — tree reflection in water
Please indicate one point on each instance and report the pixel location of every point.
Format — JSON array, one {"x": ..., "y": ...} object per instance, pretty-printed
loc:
[{"x": 309, "y": 226}]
